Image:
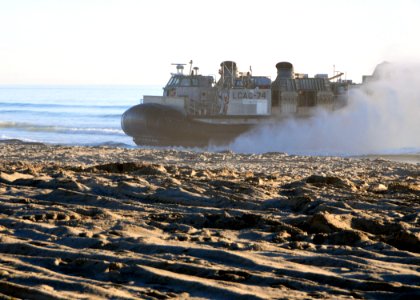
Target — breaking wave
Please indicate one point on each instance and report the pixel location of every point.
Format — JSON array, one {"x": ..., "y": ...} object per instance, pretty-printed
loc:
[
  {"x": 58, "y": 129},
  {"x": 77, "y": 114},
  {"x": 382, "y": 117},
  {"x": 65, "y": 106}
]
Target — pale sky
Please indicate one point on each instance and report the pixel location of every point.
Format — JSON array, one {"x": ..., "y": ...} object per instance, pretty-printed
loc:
[{"x": 135, "y": 41}]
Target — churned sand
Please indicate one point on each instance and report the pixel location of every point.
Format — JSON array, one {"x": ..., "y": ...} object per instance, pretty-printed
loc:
[{"x": 100, "y": 223}]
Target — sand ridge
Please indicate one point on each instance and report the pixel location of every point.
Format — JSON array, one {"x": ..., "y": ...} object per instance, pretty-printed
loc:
[{"x": 101, "y": 222}]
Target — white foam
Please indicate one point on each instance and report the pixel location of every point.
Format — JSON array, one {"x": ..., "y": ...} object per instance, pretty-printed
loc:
[{"x": 23, "y": 126}]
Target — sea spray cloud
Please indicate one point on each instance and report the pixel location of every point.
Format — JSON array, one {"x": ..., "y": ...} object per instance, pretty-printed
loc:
[{"x": 382, "y": 116}]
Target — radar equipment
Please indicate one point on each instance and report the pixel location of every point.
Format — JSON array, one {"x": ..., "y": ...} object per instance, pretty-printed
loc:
[{"x": 179, "y": 68}]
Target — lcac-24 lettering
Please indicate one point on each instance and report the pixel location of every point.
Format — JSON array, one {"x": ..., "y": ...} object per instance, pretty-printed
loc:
[{"x": 250, "y": 94}]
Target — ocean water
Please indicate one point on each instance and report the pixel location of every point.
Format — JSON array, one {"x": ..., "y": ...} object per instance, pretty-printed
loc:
[{"x": 68, "y": 115}]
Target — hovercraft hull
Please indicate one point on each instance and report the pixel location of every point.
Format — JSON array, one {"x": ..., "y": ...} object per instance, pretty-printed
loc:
[{"x": 158, "y": 125}]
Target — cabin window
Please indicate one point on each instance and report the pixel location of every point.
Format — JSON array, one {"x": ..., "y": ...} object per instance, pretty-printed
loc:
[
  {"x": 185, "y": 82},
  {"x": 173, "y": 81},
  {"x": 262, "y": 82},
  {"x": 239, "y": 83}
]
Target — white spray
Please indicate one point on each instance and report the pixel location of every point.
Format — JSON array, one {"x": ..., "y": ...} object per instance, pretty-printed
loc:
[{"x": 382, "y": 117}]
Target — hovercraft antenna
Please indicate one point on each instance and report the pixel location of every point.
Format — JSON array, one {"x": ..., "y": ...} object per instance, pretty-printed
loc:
[{"x": 191, "y": 62}]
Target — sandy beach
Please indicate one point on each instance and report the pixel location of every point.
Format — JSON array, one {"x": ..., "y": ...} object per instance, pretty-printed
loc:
[{"x": 102, "y": 222}]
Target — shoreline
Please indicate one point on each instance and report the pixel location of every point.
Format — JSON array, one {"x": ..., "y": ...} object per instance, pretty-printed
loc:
[
  {"x": 411, "y": 158},
  {"x": 106, "y": 222},
  {"x": 403, "y": 158}
]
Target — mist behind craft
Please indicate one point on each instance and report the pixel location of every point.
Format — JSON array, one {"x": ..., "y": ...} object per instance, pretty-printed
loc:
[{"x": 382, "y": 117}]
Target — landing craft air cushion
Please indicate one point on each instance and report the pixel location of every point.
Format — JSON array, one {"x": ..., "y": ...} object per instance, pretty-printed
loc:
[{"x": 194, "y": 110}]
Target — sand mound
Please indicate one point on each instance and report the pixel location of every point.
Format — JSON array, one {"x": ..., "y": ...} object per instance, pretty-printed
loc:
[{"x": 100, "y": 223}]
